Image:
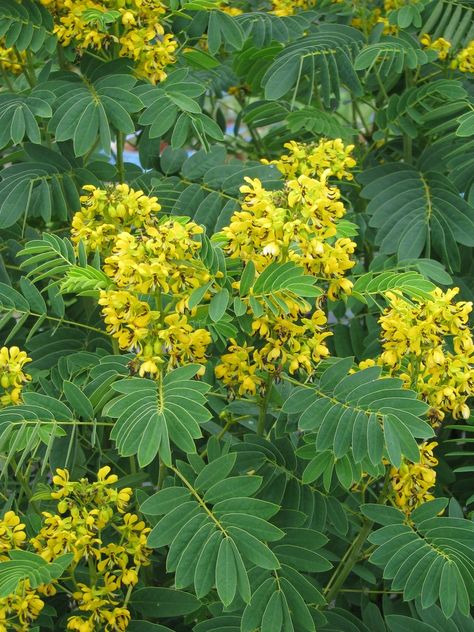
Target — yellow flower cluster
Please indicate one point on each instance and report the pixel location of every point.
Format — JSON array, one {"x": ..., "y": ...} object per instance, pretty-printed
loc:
[
  {"x": 161, "y": 257},
  {"x": 293, "y": 341},
  {"x": 429, "y": 344},
  {"x": 23, "y": 606},
  {"x": 153, "y": 264},
  {"x": 464, "y": 60},
  {"x": 226, "y": 7},
  {"x": 412, "y": 482},
  {"x": 157, "y": 337},
  {"x": 300, "y": 222},
  {"x": 440, "y": 45},
  {"x": 366, "y": 18},
  {"x": 289, "y": 7},
  {"x": 92, "y": 523},
  {"x": 297, "y": 224},
  {"x": 12, "y": 376},
  {"x": 313, "y": 160},
  {"x": 127, "y": 318},
  {"x": 107, "y": 212},
  {"x": 132, "y": 27},
  {"x": 12, "y": 534},
  {"x": 10, "y": 59},
  {"x": 238, "y": 368}
]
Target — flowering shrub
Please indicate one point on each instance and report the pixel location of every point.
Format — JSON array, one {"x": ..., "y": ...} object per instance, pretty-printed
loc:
[{"x": 236, "y": 294}]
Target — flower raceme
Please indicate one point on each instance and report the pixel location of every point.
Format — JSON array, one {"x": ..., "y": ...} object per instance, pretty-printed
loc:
[
  {"x": 299, "y": 224},
  {"x": 464, "y": 60},
  {"x": 412, "y": 482},
  {"x": 134, "y": 28},
  {"x": 153, "y": 265},
  {"x": 12, "y": 376},
  {"x": 429, "y": 344},
  {"x": 107, "y": 212},
  {"x": 108, "y": 545}
]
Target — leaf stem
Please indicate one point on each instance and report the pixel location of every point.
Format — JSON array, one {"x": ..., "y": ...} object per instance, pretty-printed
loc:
[
  {"x": 264, "y": 405},
  {"x": 161, "y": 475},
  {"x": 347, "y": 563},
  {"x": 119, "y": 151},
  {"x": 352, "y": 555}
]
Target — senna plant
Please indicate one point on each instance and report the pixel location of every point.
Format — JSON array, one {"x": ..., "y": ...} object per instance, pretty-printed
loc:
[{"x": 236, "y": 291}]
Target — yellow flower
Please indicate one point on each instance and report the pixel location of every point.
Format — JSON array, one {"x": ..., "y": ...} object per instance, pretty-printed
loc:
[
  {"x": 12, "y": 533},
  {"x": 464, "y": 60},
  {"x": 224, "y": 6},
  {"x": 338, "y": 287},
  {"x": 289, "y": 7},
  {"x": 10, "y": 59},
  {"x": 61, "y": 480},
  {"x": 412, "y": 482},
  {"x": 12, "y": 376},
  {"x": 236, "y": 369},
  {"x": 116, "y": 619},
  {"x": 440, "y": 45},
  {"x": 314, "y": 159},
  {"x": 81, "y": 624},
  {"x": 163, "y": 257},
  {"x": 28, "y": 607},
  {"x": 126, "y": 317},
  {"x": 104, "y": 477}
]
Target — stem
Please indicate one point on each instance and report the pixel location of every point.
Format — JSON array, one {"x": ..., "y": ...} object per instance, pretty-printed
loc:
[
  {"x": 407, "y": 149},
  {"x": 352, "y": 555},
  {"x": 347, "y": 563},
  {"x": 61, "y": 57},
  {"x": 130, "y": 588},
  {"x": 30, "y": 74},
  {"x": 115, "y": 346},
  {"x": 230, "y": 422},
  {"x": 407, "y": 140},
  {"x": 264, "y": 405},
  {"x": 7, "y": 80},
  {"x": 161, "y": 475},
  {"x": 120, "y": 148}
]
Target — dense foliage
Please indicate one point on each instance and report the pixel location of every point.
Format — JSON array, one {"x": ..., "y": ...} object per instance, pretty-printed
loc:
[{"x": 235, "y": 296}]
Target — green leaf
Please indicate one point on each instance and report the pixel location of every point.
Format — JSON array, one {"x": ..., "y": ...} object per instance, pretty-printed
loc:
[
  {"x": 226, "y": 572},
  {"x": 404, "y": 201},
  {"x": 428, "y": 559},
  {"x": 164, "y": 501},
  {"x": 466, "y": 125},
  {"x": 341, "y": 407},
  {"x": 231, "y": 487},
  {"x": 272, "y": 619},
  {"x": 328, "y": 50},
  {"x": 218, "y": 305},
  {"x": 152, "y": 414},
  {"x": 247, "y": 278},
  {"x": 215, "y": 471},
  {"x": 79, "y": 402},
  {"x": 163, "y": 602}
]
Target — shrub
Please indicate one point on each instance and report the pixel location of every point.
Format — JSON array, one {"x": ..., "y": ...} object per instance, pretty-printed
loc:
[{"x": 235, "y": 293}]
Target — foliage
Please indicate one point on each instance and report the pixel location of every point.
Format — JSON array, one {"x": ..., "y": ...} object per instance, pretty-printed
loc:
[{"x": 235, "y": 290}]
